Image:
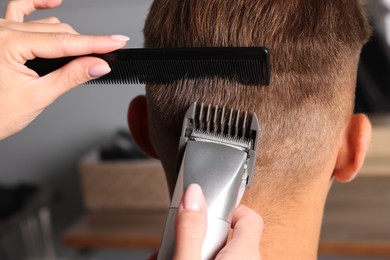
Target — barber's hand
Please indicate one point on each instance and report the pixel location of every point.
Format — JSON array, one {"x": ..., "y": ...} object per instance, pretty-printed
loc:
[
  {"x": 23, "y": 94},
  {"x": 191, "y": 225}
]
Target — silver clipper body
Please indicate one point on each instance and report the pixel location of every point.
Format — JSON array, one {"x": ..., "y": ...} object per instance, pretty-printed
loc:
[{"x": 217, "y": 150}]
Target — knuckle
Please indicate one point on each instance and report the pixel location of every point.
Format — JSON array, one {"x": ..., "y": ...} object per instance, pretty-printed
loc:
[
  {"x": 53, "y": 19},
  {"x": 73, "y": 78},
  {"x": 188, "y": 228},
  {"x": 186, "y": 225},
  {"x": 89, "y": 44},
  {"x": 63, "y": 39},
  {"x": 65, "y": 27}
]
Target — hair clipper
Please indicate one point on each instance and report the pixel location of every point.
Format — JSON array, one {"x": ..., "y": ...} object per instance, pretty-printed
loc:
[{"x": 217, "y": 150}]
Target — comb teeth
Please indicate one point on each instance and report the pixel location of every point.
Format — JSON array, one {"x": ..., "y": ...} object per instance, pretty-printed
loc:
[
  {"x": 210, "y": 119},
  {"x": 246, "y": 65}
]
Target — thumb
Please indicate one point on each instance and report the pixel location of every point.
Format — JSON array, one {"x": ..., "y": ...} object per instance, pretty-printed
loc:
[
  {"x": 74, "y": 73},
  {"x": 247, "y": 231},
  {"x": 191, "y": 224}
]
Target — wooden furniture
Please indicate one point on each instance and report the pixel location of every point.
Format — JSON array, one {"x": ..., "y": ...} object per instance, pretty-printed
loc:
[
  {"x": 116, "y": 229},
  {"x": 137, "y": 184},
  {"x": 356, "y": 223}
]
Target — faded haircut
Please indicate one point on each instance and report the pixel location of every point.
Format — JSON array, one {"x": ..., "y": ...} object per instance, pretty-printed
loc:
[{"x": 314, "y": 50}]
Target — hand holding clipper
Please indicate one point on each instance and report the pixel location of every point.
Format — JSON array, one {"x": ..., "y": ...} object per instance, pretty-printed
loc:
[
  {"x": 191, "y": 226},
  {"x": 217, "y": 151}
]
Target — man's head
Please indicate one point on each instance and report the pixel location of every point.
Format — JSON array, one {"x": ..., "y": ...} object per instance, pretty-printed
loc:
[
  {"x": 308, "y": 132},
  {"x": 314, "y": 49}
]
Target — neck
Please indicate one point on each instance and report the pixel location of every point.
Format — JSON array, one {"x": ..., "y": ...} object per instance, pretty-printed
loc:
[
  {"x": 292, "y": 227},
  {"x": 294, "y": 233},
  {"x": 298, "y": 239}
]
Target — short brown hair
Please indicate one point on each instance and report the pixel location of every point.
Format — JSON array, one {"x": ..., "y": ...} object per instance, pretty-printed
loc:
[{"x": 314, "y": 48}]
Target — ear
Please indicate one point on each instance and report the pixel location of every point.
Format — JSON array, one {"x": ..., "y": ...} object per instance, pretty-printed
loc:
[
  {"x": 137, "y": 119},
  {"x": 353, "y": 149}
]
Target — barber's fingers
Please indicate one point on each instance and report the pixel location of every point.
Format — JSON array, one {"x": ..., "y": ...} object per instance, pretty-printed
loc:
[
  {"x": 44, "y": 25},
  {"x": 71, "y": 75},
  {"x": 52, "y": 45},
  {"x": 22, "y": 46},
  {"x": 16, "y": 10},
  {"x": 52, "y": 20},
  {"x": 247, "y": 230},
  {"x": 247, "y": 227},
  {"x": 191, "y": 224}
]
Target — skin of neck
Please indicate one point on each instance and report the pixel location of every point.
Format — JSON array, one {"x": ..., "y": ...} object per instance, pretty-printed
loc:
[
  {"x": 289, "y": 232},
  {"x": 292, "y": 233},
  {"x": 292, "y": 225}
]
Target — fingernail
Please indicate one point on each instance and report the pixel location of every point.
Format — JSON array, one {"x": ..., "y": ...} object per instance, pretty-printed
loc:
[
  {"x": 193, "y": 198},
  {"x": 98, "y": 70},
  {"x": 120, "y": 38}
]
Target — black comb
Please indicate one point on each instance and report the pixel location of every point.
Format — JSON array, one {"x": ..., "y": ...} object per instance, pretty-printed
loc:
[{"x": 246, "y": 65}]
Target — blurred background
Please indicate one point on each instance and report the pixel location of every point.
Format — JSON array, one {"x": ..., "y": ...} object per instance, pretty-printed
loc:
[{"x": 66, "y": 157}]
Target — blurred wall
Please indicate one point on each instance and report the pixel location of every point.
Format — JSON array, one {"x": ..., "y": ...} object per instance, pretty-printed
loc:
[{"x": 48, "y": 150}]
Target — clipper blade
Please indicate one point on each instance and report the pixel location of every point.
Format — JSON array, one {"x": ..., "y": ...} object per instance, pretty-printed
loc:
[{"x": 221, "y": 124}]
